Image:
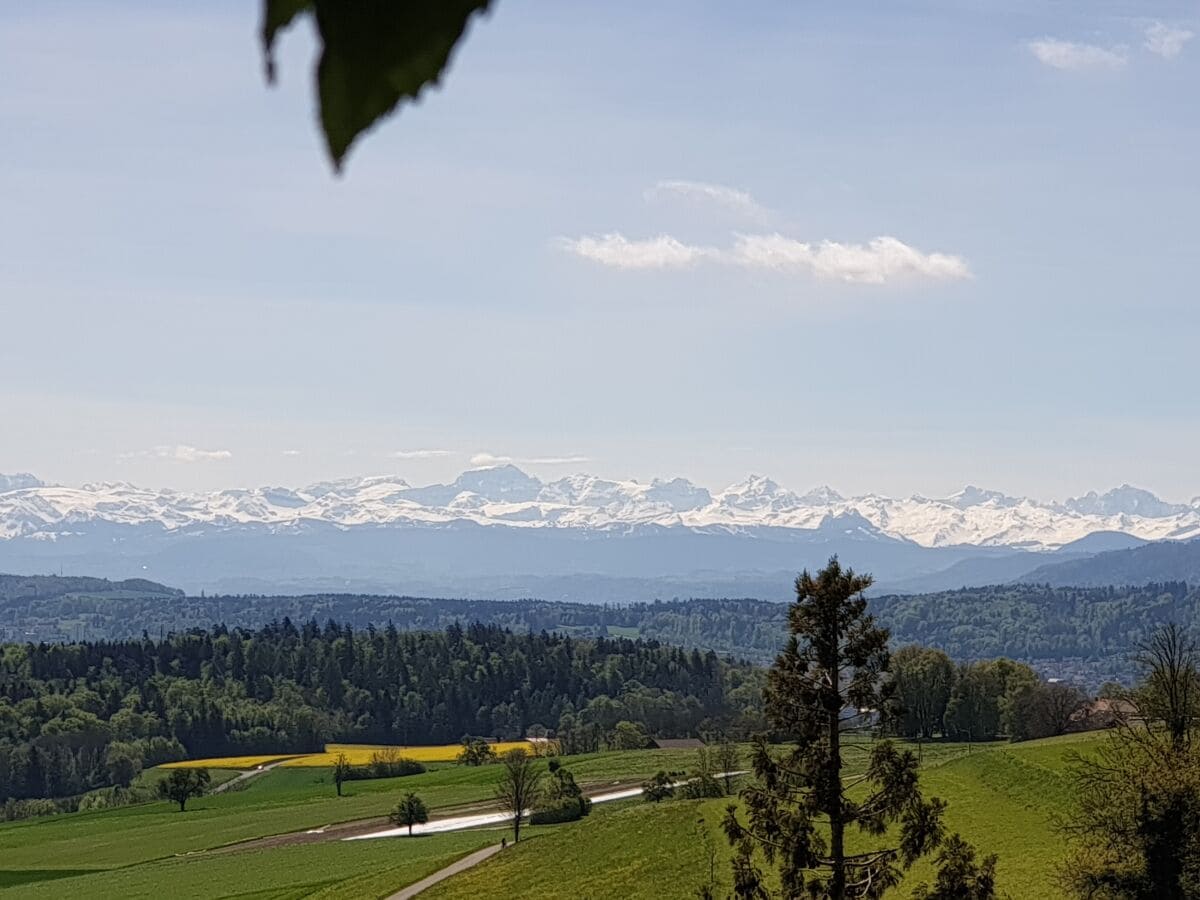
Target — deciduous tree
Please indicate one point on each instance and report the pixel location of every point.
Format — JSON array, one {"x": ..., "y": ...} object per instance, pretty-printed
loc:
[
  {"x": 341, "y": 772},
  {"x": 520, "y": 786},
  {"x": 476, "y": 752},
  {"x": 1134, "y": 830},
  {"x": 923, "y": 678},
  {"x": 658, "y": 787},
  {"x": 183, "y": 784},
  {"x": 410, "y": 811}
]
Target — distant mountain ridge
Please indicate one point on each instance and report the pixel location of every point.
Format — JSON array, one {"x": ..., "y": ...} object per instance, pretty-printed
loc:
[
  {"x": 501, "y": 532},
  {"x": 505, "y": 495},
  {"x": 1147, "y": 564}
]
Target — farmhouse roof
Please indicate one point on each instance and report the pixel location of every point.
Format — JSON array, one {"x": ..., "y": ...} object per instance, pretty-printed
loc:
[{"x": 678, "y": 743}]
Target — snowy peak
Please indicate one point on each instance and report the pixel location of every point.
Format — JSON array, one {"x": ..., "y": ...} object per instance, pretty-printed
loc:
[
  {"x": 758, "y": 493},
  {"x": 977, "y": 496},
  {"x": 823, "y": 495},
  {"x": 679, "y": 494},
  {"x": 499, "y": 483},
  {"x": 19, "y": 481},
  {"x": 1125, "y": 500},
  {"x": 504, "y": 496}
]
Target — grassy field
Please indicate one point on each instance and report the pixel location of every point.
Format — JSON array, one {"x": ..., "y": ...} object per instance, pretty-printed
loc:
[
  {"x": 1001, "y": 798},
  {"x": 280, "y": 801},
  {"x": 338, "y": 869}
]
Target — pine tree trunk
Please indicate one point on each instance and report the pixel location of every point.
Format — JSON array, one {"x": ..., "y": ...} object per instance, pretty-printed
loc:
[{"x": 837, "y": 826}]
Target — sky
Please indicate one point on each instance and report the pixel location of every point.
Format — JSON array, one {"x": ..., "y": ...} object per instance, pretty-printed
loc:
[{"x": 894, "y": 248}]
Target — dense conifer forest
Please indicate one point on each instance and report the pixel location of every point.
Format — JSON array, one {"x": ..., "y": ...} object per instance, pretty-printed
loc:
[
  {"x": 1054, "y": 627},
  {"x": 286, "y": 688}
]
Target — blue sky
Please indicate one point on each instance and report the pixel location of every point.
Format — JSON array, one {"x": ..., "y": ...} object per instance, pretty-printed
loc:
[{"x": 602, "y": 247}]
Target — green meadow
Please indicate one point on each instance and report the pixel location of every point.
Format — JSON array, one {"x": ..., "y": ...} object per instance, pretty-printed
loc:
[{"x": 1002, "y": 798}]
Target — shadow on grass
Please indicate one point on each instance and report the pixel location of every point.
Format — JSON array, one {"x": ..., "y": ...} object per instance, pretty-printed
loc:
[{"x": 13, "y": 877}]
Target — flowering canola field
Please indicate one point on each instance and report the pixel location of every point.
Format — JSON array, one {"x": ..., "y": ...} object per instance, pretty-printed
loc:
[
  {"x": 357, "y": 754},
  {"x": 224, "y": 762}
]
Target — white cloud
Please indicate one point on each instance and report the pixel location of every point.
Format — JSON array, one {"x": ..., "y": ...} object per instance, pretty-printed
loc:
[
  {"x": 487, "y": 459},
  {"x": 1166, "y": 41},
  {"x": 876, "y": 262},
  {"x": 718, "y": 194},
  {"x": 1075, "y": 57},
  {"x": 291, "y": 452},
  {"x": 662, "y": 252},
  {"x": 419, "y": 454},
  {"x": 179, "y": 453},
  {"x": 491, "y": 459}
]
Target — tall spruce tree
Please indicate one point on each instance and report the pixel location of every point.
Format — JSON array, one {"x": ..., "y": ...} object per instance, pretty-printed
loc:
[{"x": 800, "y": 804}]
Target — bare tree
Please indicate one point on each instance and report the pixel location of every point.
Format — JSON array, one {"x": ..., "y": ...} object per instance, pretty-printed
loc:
[
  {"x": 1169, "y": 693},
  {"x": 341, "y": 772},
  {"x": 520, "y": 786},
  {"x": 1135, "y": 824},
  {"x": 728, "y": 759}
]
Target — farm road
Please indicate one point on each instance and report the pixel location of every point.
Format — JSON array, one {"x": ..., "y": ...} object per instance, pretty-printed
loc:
[
  {"x": 442, "y": 874},
  {"x": 246, "y": 776}
]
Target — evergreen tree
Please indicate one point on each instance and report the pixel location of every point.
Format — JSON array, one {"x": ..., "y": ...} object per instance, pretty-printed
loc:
[
  {"x": 831, "y": 669},
  {"x": 960, "y": 877}
]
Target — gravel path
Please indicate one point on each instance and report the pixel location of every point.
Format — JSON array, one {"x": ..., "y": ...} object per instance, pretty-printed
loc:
[
  {"x": 442, "y": 874},
  {"x": 245, "y": 776}
]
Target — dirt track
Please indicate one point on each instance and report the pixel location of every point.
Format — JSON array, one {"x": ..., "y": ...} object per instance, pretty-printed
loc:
[{"x": 342, "y": 830}]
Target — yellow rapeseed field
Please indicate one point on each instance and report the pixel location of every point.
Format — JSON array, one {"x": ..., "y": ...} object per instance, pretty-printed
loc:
[
  {"x": 224, "y": 762},
  {"x": 357, "y": 754},
  {"x": 360, "y": 754}
]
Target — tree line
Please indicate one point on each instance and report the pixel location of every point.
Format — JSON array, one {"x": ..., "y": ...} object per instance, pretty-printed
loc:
[
  {"x": 1039, "y": 624},
  {"x": 75, "y": 717}
]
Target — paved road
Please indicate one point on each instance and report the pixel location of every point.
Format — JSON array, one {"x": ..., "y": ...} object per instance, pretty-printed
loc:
[
  {"x": 442, "y": 874},
  {"x": 460, "y": 823},
  {"x": 245, "y": 776}
]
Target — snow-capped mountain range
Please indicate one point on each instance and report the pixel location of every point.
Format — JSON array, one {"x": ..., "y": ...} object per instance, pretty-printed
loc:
[{"x": 506, "y": 497}]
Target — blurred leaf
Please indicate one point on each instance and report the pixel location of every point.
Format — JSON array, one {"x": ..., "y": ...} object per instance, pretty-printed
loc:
[
  {"x": 278, "y": 15},
  {"x": 375, "y": 54}
]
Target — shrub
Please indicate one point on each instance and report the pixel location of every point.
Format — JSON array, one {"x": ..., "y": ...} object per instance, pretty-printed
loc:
[
  {"x": 476, "y": 752},
  {"x": 379, "y": 769},
  {"x": 701, "y": 787},
  {"x": 29, "y": 809},
  {"x": 566, "y": 810},
  {"x": 390, "y": 764},
  {"x": 659, "y": 788}
]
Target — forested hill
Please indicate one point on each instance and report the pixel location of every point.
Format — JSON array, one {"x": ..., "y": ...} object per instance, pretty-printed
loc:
[
  {"x": 288, "y": 689},
  {"x": 1056, "y": 628},
  {"x": 1155, "y": 562},
  {"x": 46, "y": 587}
]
